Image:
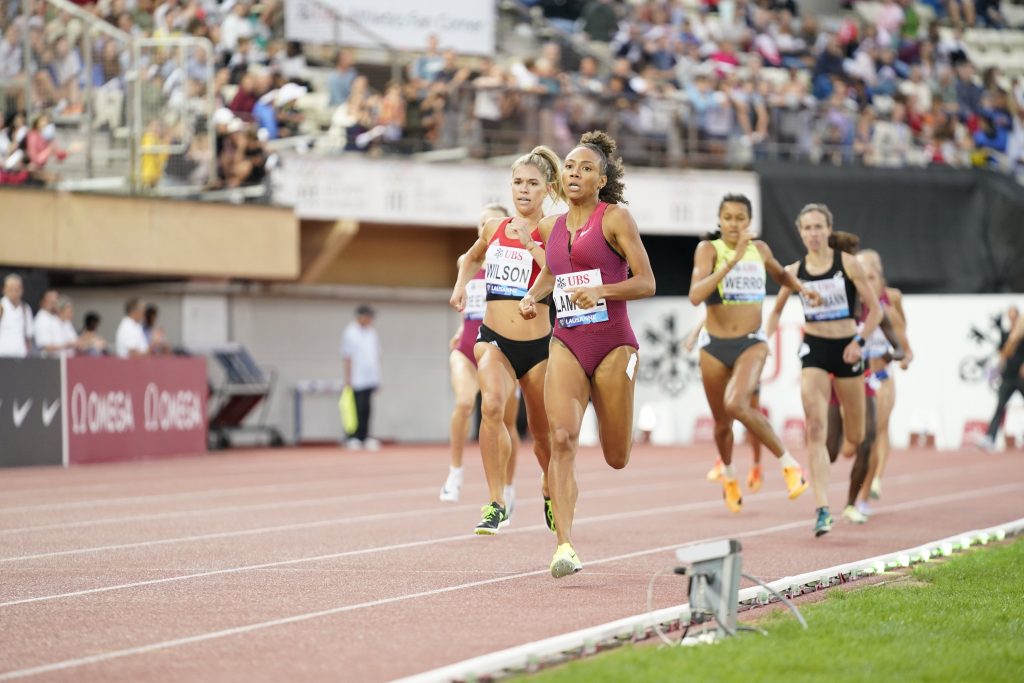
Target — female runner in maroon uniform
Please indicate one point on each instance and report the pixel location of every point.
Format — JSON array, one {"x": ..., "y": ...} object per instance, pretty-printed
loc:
[
  {"x": 462, "y": 363},
  {"x": 510, "y": 348},
  {"x": 591, "y": 251}
]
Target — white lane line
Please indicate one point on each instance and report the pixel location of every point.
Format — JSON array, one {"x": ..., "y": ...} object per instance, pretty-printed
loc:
[
  {"x": 270, "y": 488},
  {"x": 262, "y": 488},
  {"x": 461, "y": 537},
  {"x": 249, "y": 628},
  {"x": 588, "y": 476},
  {"x": 376, "y": 517},
  {"x": 936, "y": 473}
]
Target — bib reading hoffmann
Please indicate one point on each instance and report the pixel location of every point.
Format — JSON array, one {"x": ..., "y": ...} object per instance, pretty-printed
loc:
[
  {"x": 568, "y": 313},
  {"x": 833, "y": 299},
  {"x": 507, "y": 270}
]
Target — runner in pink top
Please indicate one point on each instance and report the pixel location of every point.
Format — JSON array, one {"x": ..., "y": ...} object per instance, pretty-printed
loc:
[{"x": 590, "y": 252}]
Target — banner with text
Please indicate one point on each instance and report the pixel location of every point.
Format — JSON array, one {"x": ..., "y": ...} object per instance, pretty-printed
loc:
[
  {"x": 663, "y": 201},
  {"x": 133, "y": 409},
  {"x": 467, "y": 27}
]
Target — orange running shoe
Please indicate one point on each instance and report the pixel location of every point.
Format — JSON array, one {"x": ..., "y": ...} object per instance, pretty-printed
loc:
[
  {"x": 715, "y": 473},
  {"x": 795, "y": 482},
  {"x": 754, "y": 479},
  {"x": 731, "y": 493}
]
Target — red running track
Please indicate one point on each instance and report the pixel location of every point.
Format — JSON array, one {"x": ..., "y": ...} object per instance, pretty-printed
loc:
[{"x": 328, "y": 565}]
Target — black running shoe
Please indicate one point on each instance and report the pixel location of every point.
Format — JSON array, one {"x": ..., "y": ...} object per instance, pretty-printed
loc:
[
  {"x": 549, "y": 514},
  {"x": 494, "y": 517}
]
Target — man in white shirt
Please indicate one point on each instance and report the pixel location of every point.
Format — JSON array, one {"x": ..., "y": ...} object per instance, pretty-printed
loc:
[
  {"x": 47, "y": 328},
  {"x": 131, "y": 339},
  {"x": 68, "y": 334},
  {"x": 360, "y": 353},
  {"x": 16, "y": 323}
]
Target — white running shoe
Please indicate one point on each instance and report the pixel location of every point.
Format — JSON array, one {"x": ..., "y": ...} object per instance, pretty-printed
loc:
[
  {"x": 985, "y": 443},
  {"x": 853, "y": 515},
  {"x": 452, "y": 486},
  {"x": 354, "y": 445},
  {"x": 372, "y": 444},
  {"x": 863, "y": 508}
]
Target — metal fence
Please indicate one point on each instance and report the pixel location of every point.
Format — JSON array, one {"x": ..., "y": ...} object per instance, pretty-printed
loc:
[{"x": 130, "y": 114}]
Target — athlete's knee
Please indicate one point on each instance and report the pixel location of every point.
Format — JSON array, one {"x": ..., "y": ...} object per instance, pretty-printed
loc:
[
  {"x": 816, "y": 430},
  {"x": 492, "y": 406},
  {"x": 564, "y": 439},
  {"x": 464, "y": 406},
  {"x": 617, "y": 457},
  {"x": 723, "y": 430},
  {"x": 736, "y": 407}
]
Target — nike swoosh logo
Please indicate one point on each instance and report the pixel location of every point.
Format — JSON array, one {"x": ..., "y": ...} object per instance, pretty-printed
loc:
[
  {"x": 50, "y": 411},
  {"x": 21, "y": 412}
]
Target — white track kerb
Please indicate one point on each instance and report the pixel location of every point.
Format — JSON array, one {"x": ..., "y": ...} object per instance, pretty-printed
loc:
[{"x": 532, "y": 656}]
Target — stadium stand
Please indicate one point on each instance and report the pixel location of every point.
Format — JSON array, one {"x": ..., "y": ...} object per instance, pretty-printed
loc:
[{"x": 187, "y": 97}]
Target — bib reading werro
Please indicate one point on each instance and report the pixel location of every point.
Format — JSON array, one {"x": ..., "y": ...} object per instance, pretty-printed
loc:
[
  {"x": 507, "y": 270},
  {"x": 476, "y": 300},
  {"x": 568, "y": 313},
  {"x": 834, "y": 304}
]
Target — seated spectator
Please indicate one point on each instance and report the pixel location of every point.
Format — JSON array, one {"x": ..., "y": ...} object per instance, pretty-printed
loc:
[
  {"x": 66, "y": 70},
  {"x": 130, "y": 340},
  {"x": 89, "y": 341},
  {"x": 245, "y": 99},
  {"x": 154, "y": 155},
  {"x": 990, "y": 144},
  {"x": 41, "y": 145}
]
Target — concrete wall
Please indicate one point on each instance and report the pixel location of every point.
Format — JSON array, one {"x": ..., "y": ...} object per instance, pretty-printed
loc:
[{"x": 296, "y": 331}]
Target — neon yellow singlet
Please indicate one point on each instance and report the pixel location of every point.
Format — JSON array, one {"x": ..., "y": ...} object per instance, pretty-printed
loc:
[{"x": 745, "y": 283}]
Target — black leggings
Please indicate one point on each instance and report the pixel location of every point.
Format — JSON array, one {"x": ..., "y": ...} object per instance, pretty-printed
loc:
[
  {"x": 363, "y": 412},
  {"x": 834, "y": 440},
  {"x": 1007, "y": 387}
]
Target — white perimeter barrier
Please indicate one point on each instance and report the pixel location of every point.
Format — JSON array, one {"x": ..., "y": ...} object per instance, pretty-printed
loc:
[{"x": 531, "y": 656}]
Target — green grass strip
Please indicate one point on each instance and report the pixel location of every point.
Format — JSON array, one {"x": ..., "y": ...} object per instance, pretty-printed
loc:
[{"x": 957, "y": 620}]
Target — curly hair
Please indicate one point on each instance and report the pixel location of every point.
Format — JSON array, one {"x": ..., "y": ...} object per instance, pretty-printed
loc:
[{"x": 611, "y": 165}]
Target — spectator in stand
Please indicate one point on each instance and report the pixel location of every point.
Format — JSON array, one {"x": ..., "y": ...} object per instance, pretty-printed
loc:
[
  {"x": 968, "y": 93},
  {"x": 154, "y": 154},
  {"x": 360, "y": 354},
  {"x": 600, "y": 21},
  {"x": 339, "y": 83},
  {"x": 961, "y": 12},
  {"x": 236, "y": 25},
  {"x": 90, "y": 342},
  {"x": 16, "y": 323},
  {"x": 66, "y": 69},
  {"x": 68, "y": 337},
  {"x": 46, "y": 326},
  {"x": 41, "y": 145},
  {"x": 131, "y": 338},
  {"x": 424, "y": 69},
  {"x": 244, "y": 101},
  {"x": 990, "y": 142},
  {"x": 156, "y": 338}
]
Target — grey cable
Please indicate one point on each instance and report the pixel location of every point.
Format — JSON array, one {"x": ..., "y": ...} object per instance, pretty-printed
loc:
[{"x": 786, "y": 601}]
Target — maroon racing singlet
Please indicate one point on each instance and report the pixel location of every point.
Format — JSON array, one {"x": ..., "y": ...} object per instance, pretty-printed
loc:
[{"x": 589, "y": 261}]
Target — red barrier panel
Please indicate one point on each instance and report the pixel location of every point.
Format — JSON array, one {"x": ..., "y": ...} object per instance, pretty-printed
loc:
[{"x": 135, "y": 409}]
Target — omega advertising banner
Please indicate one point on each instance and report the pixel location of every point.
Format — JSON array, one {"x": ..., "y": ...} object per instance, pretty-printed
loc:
[
  {"x": 30, "y": 412},
  {"x": 132, "y": 409}
]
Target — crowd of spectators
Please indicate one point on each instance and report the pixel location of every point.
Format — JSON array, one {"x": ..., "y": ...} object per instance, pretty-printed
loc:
[
  {"x": 51, "y": 332},
  {"x": 703, "y": 82}
]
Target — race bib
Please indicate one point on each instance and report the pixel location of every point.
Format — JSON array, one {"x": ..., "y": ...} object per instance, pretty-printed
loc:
[
  {"x": 507, "y": 270},
  {"x": 833, "y": 299},
  {"x": 476, "y": 300},
  {"x": 745, "y": 283},
  {"x": 568, "y": 313}
]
